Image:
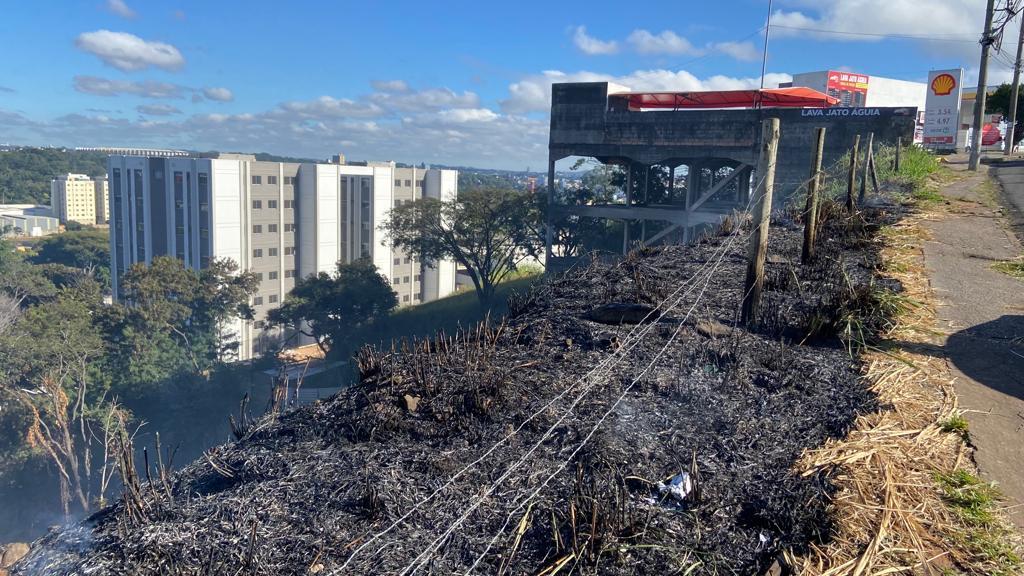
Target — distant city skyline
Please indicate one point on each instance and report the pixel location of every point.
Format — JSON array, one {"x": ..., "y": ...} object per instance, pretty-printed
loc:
[{"x": 458, "y": 84}]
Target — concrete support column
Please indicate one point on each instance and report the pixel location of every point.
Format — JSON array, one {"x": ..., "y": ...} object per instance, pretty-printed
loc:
[
  {"x": 647, "y": 181},
  {"x": 671, "y": 184}
]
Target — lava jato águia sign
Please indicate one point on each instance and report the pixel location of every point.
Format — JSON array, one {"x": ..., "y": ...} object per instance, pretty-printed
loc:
[{"x": 942, "y": 108}]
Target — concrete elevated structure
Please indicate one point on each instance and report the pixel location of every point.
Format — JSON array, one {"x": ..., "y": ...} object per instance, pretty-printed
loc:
[{"x": 715, "y": 151}]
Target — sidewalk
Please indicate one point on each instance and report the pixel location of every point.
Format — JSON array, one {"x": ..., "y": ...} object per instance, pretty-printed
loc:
[{"x": 981, "y": 315}]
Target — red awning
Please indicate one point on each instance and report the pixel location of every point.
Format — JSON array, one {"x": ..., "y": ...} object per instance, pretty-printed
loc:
[{"x": 770, "y": 98}]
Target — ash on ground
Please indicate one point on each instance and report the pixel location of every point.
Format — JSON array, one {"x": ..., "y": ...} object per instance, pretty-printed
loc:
[{"x": 716, "y": 417}]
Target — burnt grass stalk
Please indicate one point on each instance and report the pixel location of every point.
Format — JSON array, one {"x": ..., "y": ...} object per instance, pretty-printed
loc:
[{"x": 732, "y": 406}]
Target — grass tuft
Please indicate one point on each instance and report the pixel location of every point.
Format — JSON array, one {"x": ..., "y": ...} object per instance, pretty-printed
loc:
[
  {"x": 1013, "y": 268},
  {"x": 955, "y": 424},
  {"x": 970, "y": 497}
]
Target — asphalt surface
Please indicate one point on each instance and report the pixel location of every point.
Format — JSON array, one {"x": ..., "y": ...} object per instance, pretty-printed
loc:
[{"x": 981, "y": 312}]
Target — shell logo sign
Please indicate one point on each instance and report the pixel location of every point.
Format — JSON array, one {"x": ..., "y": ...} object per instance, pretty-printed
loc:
[
  {"x": 942, "y": 109},
  {"x": 943, "y": 84}
]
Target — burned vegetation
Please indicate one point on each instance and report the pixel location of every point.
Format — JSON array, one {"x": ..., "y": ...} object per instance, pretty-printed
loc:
[{"x": 618, "y": 421}]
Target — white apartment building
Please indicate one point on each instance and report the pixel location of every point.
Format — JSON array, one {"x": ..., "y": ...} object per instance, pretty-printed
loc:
[
  {"x": 279, "y": 220},
  {"x": 79, "y": 198}
]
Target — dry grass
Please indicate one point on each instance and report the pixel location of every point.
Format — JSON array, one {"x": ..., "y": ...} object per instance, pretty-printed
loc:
[{"x": 908, "y": 501}]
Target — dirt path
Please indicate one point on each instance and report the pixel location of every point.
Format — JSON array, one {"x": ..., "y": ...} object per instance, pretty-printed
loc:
[{"x": 981, "y": 315}]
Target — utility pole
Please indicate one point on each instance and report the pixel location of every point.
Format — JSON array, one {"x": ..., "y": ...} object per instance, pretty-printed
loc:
[
  {"x": 1013, "y": 94},
  {"x": 979, "y": 98},
  {"x": 764, "y": 55},
  {"x": 767, "y": 31}
]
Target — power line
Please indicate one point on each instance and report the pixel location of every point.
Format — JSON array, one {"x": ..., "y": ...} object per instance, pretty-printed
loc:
[{"x": 929, "y": 37}]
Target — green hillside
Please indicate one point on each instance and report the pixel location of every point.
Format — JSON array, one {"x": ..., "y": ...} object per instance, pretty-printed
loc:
[{"x": 25, "y": 174}]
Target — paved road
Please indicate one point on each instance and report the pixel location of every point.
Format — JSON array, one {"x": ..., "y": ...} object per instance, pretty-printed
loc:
[{"x": 982, "y": 312}]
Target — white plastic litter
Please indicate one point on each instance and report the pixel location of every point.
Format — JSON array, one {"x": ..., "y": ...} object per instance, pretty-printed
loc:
[{"x": 679, "y": 487}]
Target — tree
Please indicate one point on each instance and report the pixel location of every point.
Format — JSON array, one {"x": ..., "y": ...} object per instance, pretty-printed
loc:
[
  {"x": 571, "y": 234},
  {"x": 25, "y": 173},
  {"x": 78, "y": 249},
  {"x": 999, "y": 103},
  {"x": 487, "y": 232},
  {"x": 20, "y": 279},
  {"x": 329, "y": 308},
  {"x": 52, "y": 361},
  {"x": 173, "y": 317}
]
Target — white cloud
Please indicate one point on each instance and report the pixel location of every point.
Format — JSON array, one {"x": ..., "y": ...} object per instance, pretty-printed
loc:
[
  {"x": 128, "y": 52},
  {"x": 157, "y": 109},
  {"x": 390, "y": 85},
  {"x": 430, "y": 99},
  {"x": 461, "y": 115},
  {"x": 665, "y": 42},
  {"x": 533, "y": 93},
  {"x": 592, "y": 46},
  {"x": 218, "y": 94},
  {"x": 331, "y": 107},
  {"x": 939, "y": 18},
  {"x": 120, "y": 8},
  {"x": 435, "y": 125},
  {"x": 745, "y": 51},
  {"x": 145, "y": 88}
]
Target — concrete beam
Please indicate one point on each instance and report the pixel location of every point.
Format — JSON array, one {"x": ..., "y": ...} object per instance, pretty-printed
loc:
[{"x": 620, "y": 212}]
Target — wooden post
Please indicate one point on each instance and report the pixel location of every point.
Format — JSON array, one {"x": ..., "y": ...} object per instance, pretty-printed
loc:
[
  {"x": 874, "y": 175},
  {"x": 896, "y": 162},
  {"x": 629, "y": 202},
  {"x": 852, "y": 182},
  {"x": 758, "y": 246},
  {"x": 867, "y": 168},
  {"x": 811, "y": 209},
  {"x": 548, "y": 228}
]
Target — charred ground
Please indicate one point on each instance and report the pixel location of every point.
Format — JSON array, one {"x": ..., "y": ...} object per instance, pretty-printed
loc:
[{"x": 301, "y": 493}]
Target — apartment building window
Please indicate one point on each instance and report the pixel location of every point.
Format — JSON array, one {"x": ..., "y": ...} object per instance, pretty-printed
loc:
[
  {"x": 257, "y": 253},
  {"x": 408, "y": 183},
  {"x": 396, "y": 281},
  {"x": 257, "y": 204},
  {"x": 272, "y": 228},
  {"x": 405, "y": 280},
  {"x": 398, "y": 182},
  {"x": 271, "y": 203},
  {"x": 271, "y": 251},
  {"x": 419, "y": 277},
  {"x": 398, "y": 261},
  {"x": 259, "y": 276},
  {"x": 259, "y": 324},
  {"x": 289, "y": 273},
  {"x": 407, "y": 260},
  {"x": 289, "y": 250},
  {"x": 271, "y": 179},
  {"x": 257, "y": 179},
  {"x": 272, "y": 275},
  {"x": 257, "y": 228},
  {"x": 272, "y": 298},
  {"x": 405, "y": 298},
  {"x": 289, "y": 227},
  {"x": 289, "y": 181},
  {"x": 419, "y": 183},
  {"x": 289, "y": 204},
  {"x": 257, "y": 301}
]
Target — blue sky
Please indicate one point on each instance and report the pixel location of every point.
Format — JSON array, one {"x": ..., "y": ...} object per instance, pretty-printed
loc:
[{"x": 449, "y": 82}]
